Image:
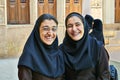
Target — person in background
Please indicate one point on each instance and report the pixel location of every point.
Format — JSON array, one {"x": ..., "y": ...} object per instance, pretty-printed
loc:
[
  {"x": 90, "y": 20},
  {"x": 95, "y": 28},
  {"x": 85, "y": 57},
  {"x": 97, "y": 31},
  {"x": 41, "y": 58}
]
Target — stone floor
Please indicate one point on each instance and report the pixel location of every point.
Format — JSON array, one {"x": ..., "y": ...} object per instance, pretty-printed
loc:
[{"x": 8, "y": 68}]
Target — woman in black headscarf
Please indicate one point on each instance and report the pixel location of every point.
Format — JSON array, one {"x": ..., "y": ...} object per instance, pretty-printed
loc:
[
  {"x": 41, "y": 59},
  {"x": 85, "y": 57},
  {"x": 90, "y": 20},
  {"x": 97, "y": 31}
]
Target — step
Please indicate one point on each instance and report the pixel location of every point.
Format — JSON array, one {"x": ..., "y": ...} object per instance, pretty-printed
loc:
[
  {"x": 113, "y": 47},
  {"x": 109, "y": 33},
  {"x": 115, "y": 26},
  {"x": 117, "y": 34},
  {"x": 114, "y": 41},
  {"x": 106, "y": 40}
]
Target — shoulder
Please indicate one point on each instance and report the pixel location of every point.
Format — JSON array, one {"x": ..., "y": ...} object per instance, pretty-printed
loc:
[
  {"x": 96, "y": 47},
  {"x": 100, "y": 48},
  {"x": 24, "y": 73},
  {"x": 95, "y": 43},
  {"x": 61, "y": 46}
]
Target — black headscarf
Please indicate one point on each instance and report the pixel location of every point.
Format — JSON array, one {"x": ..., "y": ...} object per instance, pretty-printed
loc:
[
  {"x": 77, "y": 53},
  {"x": 89, "y": 19},
  {"x": 98, "y": 30},
  {"x": 39, "y": 57}
]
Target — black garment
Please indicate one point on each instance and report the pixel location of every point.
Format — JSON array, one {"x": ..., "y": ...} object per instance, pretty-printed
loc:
[
  {"x": 26, "y": 73},
  {"x": 44, "y": 59},
  {"x": 100, "y": 70},
  {"x": 98, "y": 30},
  {"x": 85, "y": 59},
  {"x": 89, "y": 20},
  {"x": 77, "y": 51}
]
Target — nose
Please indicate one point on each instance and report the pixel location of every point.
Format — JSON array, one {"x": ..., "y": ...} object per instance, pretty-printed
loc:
[
  {"x": 50, "y": 32},
  {"x": 74, "y": 28}
]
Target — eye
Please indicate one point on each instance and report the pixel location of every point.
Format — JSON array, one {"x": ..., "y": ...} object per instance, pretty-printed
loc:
[
  {"x": 54, "y": 28},
  {"x": 77, "y": 24},
  {"x": 45, "y": 28},
  {"x": 69, "y": 26}
]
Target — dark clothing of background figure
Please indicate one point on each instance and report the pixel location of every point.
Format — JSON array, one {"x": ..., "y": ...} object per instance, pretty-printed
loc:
[
  {"x": 85, "y": 59},
  {"x": 89, "y": 19},
  {"x": 97, "y": 31},
  {"x": 38, "y": 59}
]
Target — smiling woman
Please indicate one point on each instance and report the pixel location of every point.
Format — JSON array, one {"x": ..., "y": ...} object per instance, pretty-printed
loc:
[
  {"x": 41, "y": 59},
  {"x": 48, "y": 31},
  {"x": 75, "y": 28},
  {"x": 85, "y": 57}
]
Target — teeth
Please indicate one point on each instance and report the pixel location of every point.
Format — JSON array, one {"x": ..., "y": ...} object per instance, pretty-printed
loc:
[
  {"x": 49, "y": 38},
  {"x": 75, "y": 34}
]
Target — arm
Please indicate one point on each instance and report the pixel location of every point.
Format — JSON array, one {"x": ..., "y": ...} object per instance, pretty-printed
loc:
[
  {"x": 24, "y": 73},
  {"x": 103, "y": 65}
]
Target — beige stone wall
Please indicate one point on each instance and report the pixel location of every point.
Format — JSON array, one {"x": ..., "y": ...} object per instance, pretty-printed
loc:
[
  {"x": 61, "y": 33},
  {"x": 2, "y": 12},
  {"x": 96, "y": 8},
  {"x": 13, "y": 37},
  {"x": 33, "y": 11},
  {"x": 2, "y": 41},
  {"x": 108, "y": 11},
  {"x": 12, "y": 40}
]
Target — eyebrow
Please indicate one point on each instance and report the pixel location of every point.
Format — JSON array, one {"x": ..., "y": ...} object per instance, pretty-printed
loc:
[
  {"x": 75, "y": 23},
  {"x": 54, "y": 26},
  {"x": 51, "y": 26},
  {"x": 69, "y": 24},
  {"x": 45, "y": 26}
]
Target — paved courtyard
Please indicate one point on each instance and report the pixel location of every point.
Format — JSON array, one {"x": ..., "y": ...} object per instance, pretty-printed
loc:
[{"x": 8, "y": 68}]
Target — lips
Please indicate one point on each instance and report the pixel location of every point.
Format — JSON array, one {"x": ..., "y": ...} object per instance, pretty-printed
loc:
[
  {"x": 48, "y": 38},
  {"x": 75, "y": 33}
]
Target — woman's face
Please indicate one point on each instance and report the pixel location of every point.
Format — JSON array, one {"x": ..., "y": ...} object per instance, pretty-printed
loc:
[
  {"x": 48, "y": 31},
  {"x": 75, "y": 28}
]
